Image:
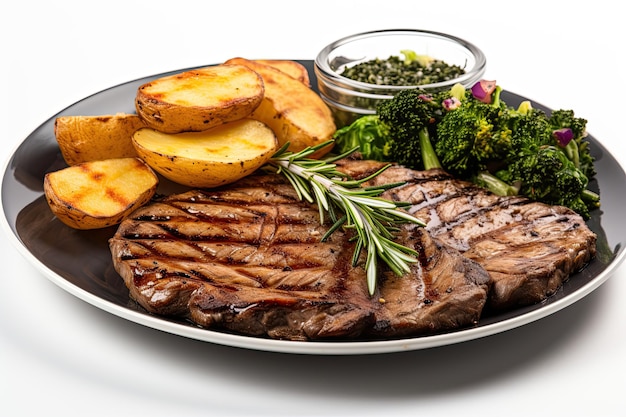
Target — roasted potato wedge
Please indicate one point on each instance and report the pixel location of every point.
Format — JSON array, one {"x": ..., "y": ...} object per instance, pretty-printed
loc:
[
  {"x": 91, "y": 138},
  {"x": 292, "y": 68},
  {"x": 99, "y": 194},
  {"x": 199, "y": 99},
  {"x": 209, "y": 158},
  {"x": 294, "y": 112}
]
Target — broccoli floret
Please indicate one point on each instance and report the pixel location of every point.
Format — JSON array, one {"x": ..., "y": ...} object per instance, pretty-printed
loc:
[
  {"x": 412, "y": 116},
  {"x": 473, "y": 135},
  {"x": 368, "y": 134},
  {"x": 401, "y": 128},
  {"x": 546, "y": 170},
  {"x": 545, "y": 173},
  {"x": 577, "y": 149},
  {"x": 548, "y": 175},
  {"x": 530, "y": 129},
  {"x": 566, "y": 118}
]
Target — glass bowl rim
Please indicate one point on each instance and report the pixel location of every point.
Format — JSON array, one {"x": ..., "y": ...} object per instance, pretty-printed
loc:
[{"x": 330, "y": 77}]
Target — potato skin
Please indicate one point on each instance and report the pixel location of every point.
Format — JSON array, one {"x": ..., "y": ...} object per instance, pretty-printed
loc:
[
  {"x": 98, "y": 194},
  {"x": 199, "y": 99},
  {"x": 210, "y": 158},
  {"x": 91, "y": 138},
  {"x": 294, "y": 111},
  {"x": 292, "y": 68}
]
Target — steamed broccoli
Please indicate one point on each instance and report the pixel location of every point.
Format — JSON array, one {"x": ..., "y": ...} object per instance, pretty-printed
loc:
[
  {"x": 412, "y": 116},
  {"x": 544, "y": 163},
  {"x": 566, "y": 126},
  {"x": 401, "y": 128},
  {"x": 368, "y": 134},
  {"x": 548, "y": 175},
  {"x": 474, "y": 135},
  {"x": 524, "y": 150}
]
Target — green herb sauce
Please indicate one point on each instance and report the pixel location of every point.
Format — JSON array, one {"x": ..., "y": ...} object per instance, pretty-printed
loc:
[{"x": 399, "y": 71}]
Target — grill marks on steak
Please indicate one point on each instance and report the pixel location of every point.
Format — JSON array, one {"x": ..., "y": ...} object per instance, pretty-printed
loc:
[
  {"x": 249, "y": 258},
  {"x": 528, "y": 248},
  {"x": 443, "y": 291}
]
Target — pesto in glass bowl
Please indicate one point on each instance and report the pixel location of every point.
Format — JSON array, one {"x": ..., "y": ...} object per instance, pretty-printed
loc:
[{"x": 355, "y": 73}]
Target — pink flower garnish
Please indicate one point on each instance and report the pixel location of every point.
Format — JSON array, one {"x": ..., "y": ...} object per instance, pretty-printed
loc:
[
  {"x": 451, "y": 103},
  {"x": 426, "y": 97},
  {"x": 483, "y": 89}
]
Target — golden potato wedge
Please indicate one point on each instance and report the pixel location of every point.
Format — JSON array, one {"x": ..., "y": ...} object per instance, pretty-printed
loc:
[
  {"x": 209, "y": 158},
  {"x": 292, "y": 68},
  {"x": 199, "y": 99},
  {"x": 99, "y": 194},
  {"x": 91, "y": 138},
  {"x": 294, "y": 111}
]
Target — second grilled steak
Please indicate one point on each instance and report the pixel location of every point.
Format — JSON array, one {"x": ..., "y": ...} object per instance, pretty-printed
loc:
[{"x": 529, "y": 248}]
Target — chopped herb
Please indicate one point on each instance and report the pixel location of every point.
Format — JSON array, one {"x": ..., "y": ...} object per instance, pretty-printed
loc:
[{"x": 412, "y": 69}]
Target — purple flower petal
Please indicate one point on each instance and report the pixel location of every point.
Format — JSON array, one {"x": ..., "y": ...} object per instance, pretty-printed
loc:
[
  {"x": 451, "y": 103},
  {"x": 563, "y": 136},
  {"x": 482, "y": 90}
]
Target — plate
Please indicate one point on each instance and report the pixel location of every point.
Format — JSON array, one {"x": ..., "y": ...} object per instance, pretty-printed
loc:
[{"x": 80, "y": 261}]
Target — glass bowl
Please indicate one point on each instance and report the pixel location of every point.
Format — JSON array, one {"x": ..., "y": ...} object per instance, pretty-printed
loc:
[{"x": 350, "y": 99}]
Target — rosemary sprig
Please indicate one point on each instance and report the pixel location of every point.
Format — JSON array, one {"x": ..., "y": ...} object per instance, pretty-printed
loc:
[{"x": 350, "y": 205}]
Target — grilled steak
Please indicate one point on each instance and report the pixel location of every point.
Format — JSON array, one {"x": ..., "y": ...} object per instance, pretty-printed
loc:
[
  {"x": 249, "y": 258},
  {"x": 528, "y": 248}
]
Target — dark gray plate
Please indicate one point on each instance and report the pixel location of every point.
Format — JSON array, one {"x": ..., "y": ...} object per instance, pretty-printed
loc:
[{"x": 80, "y": 261}]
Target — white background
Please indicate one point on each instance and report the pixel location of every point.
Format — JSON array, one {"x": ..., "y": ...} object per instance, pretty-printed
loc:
[{"x": 63, "y": 356}]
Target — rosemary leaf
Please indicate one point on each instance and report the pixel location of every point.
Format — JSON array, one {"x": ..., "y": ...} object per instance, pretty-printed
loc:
[
  {"x": 351, "y": 206},
  {"x": 371, "y": 269}
]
